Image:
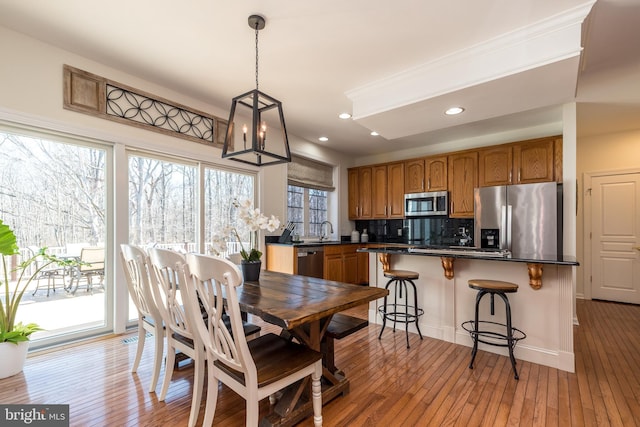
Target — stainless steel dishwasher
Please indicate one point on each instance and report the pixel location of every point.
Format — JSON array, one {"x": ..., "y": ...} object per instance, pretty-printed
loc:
[{"x": 310, "y": 261}]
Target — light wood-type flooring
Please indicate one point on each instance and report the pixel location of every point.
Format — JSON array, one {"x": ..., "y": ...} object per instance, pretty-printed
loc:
[{"x": 429, "y": 384}]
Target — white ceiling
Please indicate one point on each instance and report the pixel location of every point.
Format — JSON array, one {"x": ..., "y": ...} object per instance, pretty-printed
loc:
[{"x": 395, "y": 65}]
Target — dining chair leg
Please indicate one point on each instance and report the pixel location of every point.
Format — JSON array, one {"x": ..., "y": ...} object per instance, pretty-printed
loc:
[
  {"x": 253, "y": 409},
  {"x": 168, "y": 370},
  {"x": 316, "y": 394},
  {"x": 212, "y": 395},
  {"x": 158, "y": 335},
  {"x": 140, "y": 346},
  {"x": 198, "y": 383}
]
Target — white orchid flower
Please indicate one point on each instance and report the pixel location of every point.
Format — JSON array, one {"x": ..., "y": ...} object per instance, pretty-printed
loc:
[{"x": 273, "y": 224}]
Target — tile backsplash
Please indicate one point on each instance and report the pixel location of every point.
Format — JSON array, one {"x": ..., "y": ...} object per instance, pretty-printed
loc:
[{"x": 436, "y": 231}]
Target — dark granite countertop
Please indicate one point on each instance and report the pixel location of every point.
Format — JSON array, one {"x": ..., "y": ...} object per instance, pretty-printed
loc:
[{"x": 471, "y": 253}]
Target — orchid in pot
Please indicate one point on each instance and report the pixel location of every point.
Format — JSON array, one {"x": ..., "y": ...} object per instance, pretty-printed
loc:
[{"x": 251, "y": 220}]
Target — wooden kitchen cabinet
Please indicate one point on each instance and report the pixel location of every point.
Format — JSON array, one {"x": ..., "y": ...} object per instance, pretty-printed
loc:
[
  {"x": 342, "y": 264},
  {"x": 428, "y": 174},
  {"x": 533, "y": 161},
  {"x": 414, "y": 176},
  {"x": 463, "y": 179},
  {"x": 495, "y": 166},
  {"x": 395, "y": 190},
  {"x": 333, "y": 263},
  {"x": 282, "y": 258},
  {"x": 436, "y": 173},
  {"x": 380, "y": 191},
  {"x": 388, "y": 191},
  {"x": 360, "y": 192}
]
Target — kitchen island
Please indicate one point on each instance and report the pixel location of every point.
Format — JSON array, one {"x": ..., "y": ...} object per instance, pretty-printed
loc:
[{"x": 543, "y": 307}]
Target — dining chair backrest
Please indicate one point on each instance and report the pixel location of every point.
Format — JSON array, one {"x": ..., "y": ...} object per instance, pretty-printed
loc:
[
  {"x": 91, "y": 259},
  {"x": 137, "y": 270},
  {"x": 165, "y": 265},
  {"x": 211, "y": 277}
]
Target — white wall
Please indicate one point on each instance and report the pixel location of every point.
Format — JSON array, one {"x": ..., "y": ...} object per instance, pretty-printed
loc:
[{"x": 31, "y": 91}]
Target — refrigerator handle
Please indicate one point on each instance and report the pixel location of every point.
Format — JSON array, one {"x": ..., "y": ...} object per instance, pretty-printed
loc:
[
  {"x": 509, "y": 211},
  {"x": 503, "y": 227}
]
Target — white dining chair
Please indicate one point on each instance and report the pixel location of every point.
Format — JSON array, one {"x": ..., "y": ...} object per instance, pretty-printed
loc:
[
  {"x": 179, "y": 329},
  {"x": 136, "y": 271},
  {"x": 254, "y": 369}
]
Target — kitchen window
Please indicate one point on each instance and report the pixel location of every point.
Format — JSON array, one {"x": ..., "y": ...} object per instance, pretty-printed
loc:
[
  {"x": 307, "y": 209},
  {"x": 310, "y": 183}
]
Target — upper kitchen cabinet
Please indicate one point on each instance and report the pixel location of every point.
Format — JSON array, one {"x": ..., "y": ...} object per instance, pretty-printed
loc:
[
  {"x": 463, "y": 179},
  {"x": 414, "y": 176},
  {"x": 536, "y": 160},
  {"x": 533, "y": 160},
  {"x": 360, "y": 192},
  {"x": 428, "y": 174},
  {"x": 388, "y": 191},
  {"x": 495, "y": 166},
  {"x": 436, "y": 173}
]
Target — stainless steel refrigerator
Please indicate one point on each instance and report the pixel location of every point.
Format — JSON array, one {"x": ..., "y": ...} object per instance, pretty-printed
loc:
[{"x": 525, "y": 219}]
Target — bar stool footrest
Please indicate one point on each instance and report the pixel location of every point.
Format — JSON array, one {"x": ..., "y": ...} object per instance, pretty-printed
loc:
[
  {"x": 391, "y": 312},
  {"x": 490, "y": 337}
]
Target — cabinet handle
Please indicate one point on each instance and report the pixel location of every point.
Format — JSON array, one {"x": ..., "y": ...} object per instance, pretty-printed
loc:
[
  {"x": 637, "y": 248},
  {"x": 385, "y": 210},
  {"x": 519, "y": 170},
  {"x": 422, "y": 185},
  {"x": 429, "y": 184},
  {"x": 510, "y": 177}
]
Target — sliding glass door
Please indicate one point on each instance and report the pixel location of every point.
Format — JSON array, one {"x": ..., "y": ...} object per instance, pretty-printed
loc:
[{"x": 53, "y": 193}]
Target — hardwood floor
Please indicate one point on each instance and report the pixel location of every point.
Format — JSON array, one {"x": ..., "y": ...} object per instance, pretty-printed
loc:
[{"x": 428, "y": 384}]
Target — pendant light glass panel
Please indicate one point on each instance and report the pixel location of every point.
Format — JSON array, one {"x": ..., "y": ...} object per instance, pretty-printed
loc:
[{"x": 256, "y": 134}]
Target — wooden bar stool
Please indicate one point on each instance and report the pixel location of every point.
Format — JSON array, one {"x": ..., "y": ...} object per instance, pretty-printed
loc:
[
  {"x": 400, "y": 311},
  {"x": 487, "y": 335}
]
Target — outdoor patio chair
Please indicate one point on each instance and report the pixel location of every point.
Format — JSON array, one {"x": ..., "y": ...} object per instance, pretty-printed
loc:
[
  {"x": 52, "y": 273},
  {"x": 136, "y": 270},
  {"x": 91, "y": 266}
]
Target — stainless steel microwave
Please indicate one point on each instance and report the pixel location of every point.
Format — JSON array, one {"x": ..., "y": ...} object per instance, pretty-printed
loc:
[{"x": 426, "y": 204}]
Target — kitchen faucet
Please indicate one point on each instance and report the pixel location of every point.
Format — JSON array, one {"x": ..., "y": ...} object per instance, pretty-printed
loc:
[{"x": 323, "y": 235}]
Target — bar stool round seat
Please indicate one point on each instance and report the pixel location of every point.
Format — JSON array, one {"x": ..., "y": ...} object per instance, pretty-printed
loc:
[
  {"x": 401, "y": 274},
  {"x": 401, "y": 310},
  {"x": 485, "y": 331}
]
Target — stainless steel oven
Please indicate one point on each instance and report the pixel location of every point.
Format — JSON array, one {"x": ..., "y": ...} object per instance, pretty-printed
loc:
[{"x": 426, "y": 204}]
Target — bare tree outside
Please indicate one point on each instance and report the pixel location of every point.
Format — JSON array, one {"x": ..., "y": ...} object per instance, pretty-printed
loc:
[
  {"x": 163, "y": 202},
  {"x": 52, "y": 194}
]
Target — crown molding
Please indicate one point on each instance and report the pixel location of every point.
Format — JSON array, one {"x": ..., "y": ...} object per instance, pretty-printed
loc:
[{"x": 553, "y": 39}]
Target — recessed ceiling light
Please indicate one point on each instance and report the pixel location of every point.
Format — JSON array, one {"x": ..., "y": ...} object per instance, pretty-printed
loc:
[
  {"x": 454, "y": 110},
  {"x": 345, "y": 116},
  {"x": 323, "y": 139},
  {"x": 374, "y": 133}
]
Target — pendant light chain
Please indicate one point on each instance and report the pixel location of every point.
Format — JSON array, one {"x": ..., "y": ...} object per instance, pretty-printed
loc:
[{"x": 256, "y": 56}]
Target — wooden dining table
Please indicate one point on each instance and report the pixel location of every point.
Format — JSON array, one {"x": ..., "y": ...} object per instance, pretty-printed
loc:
[{"x": 303, "y": 307}]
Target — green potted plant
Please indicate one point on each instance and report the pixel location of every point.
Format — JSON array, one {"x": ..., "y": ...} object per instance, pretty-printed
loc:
[{"x": 14, "y": 337}]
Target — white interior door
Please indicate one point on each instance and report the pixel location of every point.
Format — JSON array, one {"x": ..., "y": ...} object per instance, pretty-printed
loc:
[{"x": 615, "y": 237}]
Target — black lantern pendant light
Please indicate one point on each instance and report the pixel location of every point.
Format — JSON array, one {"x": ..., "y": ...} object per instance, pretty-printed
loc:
[{"x": 264, "y": 140}]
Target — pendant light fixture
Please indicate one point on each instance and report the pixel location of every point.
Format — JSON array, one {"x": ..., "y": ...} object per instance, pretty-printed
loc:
[{"x": 263, "y": 138}]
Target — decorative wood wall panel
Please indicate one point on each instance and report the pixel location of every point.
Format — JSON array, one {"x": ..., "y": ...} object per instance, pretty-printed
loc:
[{"x": 97, "y": 96}]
